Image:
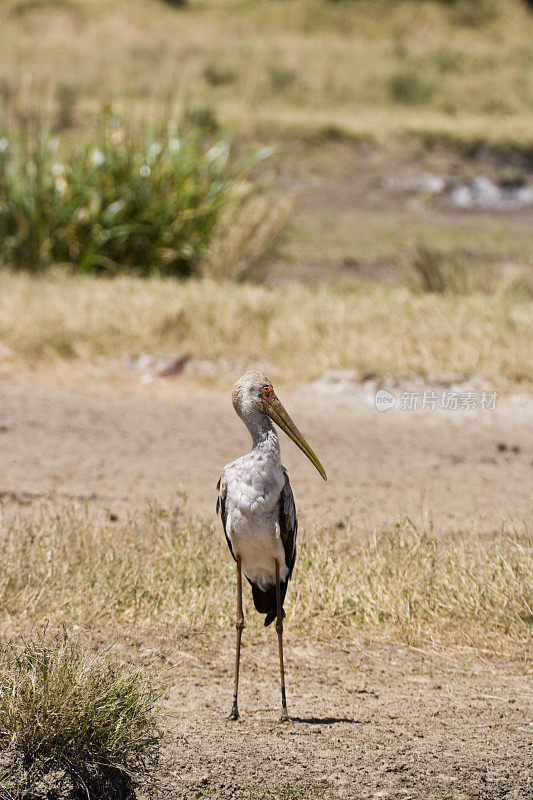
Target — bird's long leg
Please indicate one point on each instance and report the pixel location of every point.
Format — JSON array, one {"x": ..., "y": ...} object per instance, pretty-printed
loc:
[
  {"x": 239, "y": 625},
  {"x": 279, "y": 628}
]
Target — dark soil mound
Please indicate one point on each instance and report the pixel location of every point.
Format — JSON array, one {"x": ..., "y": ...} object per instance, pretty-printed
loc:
[{"x": 45, "y": 780}]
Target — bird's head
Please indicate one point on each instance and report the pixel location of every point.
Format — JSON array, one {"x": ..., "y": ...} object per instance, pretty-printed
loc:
[{"x": 253, "y": 394}]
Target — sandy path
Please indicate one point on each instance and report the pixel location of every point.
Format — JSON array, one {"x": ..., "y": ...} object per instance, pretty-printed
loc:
[{"x": 125, "y": 444}]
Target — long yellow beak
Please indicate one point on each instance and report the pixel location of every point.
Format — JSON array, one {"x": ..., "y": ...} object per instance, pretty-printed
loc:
[{"x": 277, "y": 413}]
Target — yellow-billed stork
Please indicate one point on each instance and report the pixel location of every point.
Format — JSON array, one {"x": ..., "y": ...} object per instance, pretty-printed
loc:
[{"x": 256, "y": 504}]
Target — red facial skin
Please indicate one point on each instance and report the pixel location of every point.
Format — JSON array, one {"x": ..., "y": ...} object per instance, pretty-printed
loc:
[{"x": 268, "y": 396}]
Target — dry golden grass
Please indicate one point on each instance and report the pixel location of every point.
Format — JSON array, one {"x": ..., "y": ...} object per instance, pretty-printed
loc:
[
  {"x": 373, "y": 68},
  {"x": 167, "y": 572},
  {"x": 61, "y": 703},
  {"x": 299, "y": 330},
  {"x": 245, "y": 235}
]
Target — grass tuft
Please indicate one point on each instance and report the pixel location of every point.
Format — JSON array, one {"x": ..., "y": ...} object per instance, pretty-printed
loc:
[
  {"x": 246, "y": 235},
  {"x": 219, "y": 75},
  {"x": 458, "y": 273},
  {"x": 469, "y": 593},
  {"x": 66, "y": 708}
]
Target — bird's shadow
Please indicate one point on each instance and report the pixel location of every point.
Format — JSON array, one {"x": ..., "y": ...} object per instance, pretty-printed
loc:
[{"x": 326, "y": 720}]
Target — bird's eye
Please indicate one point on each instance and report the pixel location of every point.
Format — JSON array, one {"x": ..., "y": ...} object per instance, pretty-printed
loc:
[{"x": 267, "y": 391}]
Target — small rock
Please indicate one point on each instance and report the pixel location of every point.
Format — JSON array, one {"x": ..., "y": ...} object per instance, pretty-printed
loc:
[
  {"x": 176, "y": 367},
  {"x": 427, "y": 183},
  {"x": 141, "y": 361},
  {"x": 481, "y": 192},
  {"x": 201, "y": 366}
]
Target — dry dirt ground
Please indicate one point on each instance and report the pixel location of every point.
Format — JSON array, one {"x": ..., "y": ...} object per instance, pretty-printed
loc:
[
  {"x": 122, "y": 443},
  {"x": 370, "y": 720}
]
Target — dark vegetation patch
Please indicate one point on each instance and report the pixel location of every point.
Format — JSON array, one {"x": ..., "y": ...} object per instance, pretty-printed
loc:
[
  {"x": 23, "y": 7},
  {"x": 45, "y": 779}
]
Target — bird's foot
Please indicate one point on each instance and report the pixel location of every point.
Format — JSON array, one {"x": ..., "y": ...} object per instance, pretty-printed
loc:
[
  {"x": 234, "y": 714},
  {"x": 284, "y": 716}
]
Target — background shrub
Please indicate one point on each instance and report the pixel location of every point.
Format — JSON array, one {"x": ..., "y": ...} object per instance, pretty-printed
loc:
[{"x": 125, "y": 200}]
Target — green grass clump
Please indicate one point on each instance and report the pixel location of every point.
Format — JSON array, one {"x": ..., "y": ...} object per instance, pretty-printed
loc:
[
  {"x": 64, "y": 706},
  {"x": 408, "y": 86},
  {"x": 123, "y": 200}
]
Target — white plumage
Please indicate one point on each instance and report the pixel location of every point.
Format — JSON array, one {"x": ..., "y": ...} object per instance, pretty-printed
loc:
[{"x": 253, "y": 486}]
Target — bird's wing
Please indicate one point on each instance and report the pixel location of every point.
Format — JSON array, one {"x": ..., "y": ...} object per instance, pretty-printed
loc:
[
  {"x": 288, "y": 523},
  {"x": 221, "y": 508}
]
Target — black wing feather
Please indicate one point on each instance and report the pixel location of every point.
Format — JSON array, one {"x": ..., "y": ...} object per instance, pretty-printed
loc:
[
  {"x": 288, "y": 524},
  {"x": 221, "y": 508},
  {"x": 265, "y": 600}
]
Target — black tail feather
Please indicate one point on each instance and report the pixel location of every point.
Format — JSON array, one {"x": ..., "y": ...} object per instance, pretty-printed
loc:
[{"x": 265, "y": 601}]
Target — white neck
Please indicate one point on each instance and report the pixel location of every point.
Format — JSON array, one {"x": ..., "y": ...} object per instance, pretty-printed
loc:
[{"x": 262, "y": 431}]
